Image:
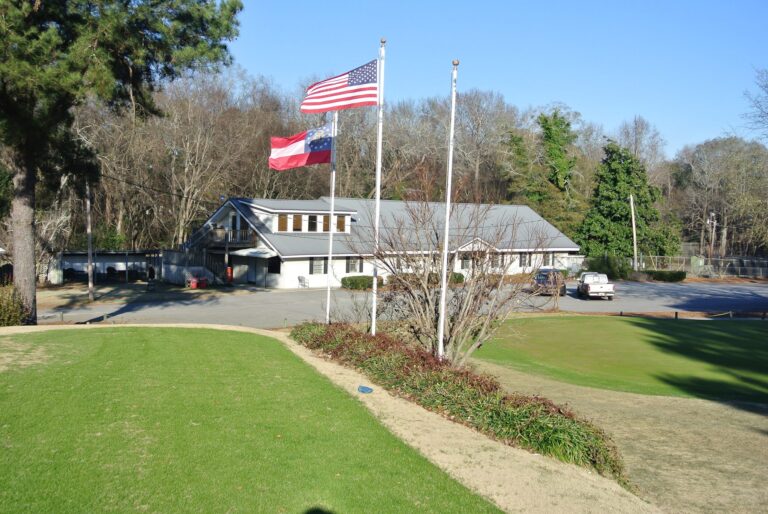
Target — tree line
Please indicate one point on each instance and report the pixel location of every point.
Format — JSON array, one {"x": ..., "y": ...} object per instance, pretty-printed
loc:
[{"x": 161, "y": 176}]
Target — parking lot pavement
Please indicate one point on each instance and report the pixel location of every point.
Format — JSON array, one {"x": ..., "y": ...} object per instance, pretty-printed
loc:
[
  {"x": 684, "y": 297},
  {"x": 278, "y": 308}
]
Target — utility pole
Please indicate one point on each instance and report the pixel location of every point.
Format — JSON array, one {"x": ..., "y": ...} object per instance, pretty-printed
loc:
[
  {"x": 90, "y": 239},
  {"x": 634, "y": 232},
  {"x": 712, "y": 222}
]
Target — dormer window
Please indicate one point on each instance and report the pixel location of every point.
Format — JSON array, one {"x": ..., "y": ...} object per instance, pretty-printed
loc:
[{"x": 314, "y": 223}]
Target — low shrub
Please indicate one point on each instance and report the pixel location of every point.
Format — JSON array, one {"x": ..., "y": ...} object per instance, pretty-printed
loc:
[
  {"x": 615, "y": 267},
  {"x": 360, "y": 282},
  {"x": 12, "y": 310},
  {"x": 666, "y": 275},
  {"x": 475, "y": 400}
]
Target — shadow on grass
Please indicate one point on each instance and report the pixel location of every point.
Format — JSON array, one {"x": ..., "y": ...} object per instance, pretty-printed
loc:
[{"x": 735, "y": 348}]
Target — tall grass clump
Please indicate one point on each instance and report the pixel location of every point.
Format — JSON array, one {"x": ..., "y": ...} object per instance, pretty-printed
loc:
[{"x": 478, "y": 401}]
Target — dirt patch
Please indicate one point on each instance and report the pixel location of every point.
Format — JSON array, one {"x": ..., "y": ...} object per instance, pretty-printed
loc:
[
  {"x": 726, "y": 280},
  {"x": 15, "y": 355},
  {"x": 514, "y": 479},
  {"x": 684, "y": 455}
]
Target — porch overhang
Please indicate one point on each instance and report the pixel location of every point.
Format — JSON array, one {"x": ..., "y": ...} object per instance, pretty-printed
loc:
[{"x": 263, "y": 253}]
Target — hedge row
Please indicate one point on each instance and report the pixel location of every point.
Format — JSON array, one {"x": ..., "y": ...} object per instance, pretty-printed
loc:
[
  {"x": 432, "y": 279},
  {"x": 478, "y": 401},
  {"x": 666, "y": 276},
  {"x": 616, "y": 268},
  {"x": 360, "y": 282}
]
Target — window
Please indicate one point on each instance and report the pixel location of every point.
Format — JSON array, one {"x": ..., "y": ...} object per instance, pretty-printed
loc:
[
  {"x": 312, "y": 223},
  {"x": 523, "y": 260},
  {"x": 318, "y": 265},
  {"x": 273, "y": 265},
  {"x": 354, "y": 265},
  {"x": 326, "y": 223},
  {"x": 297, "y": 222},
  {"x": 547, "y": 259},
  {"x": 497, "y": 260},
  {"x": 340, "y": 223},
  {"x": 465, "y": 260},
  {"x": 282, "y": 223}
]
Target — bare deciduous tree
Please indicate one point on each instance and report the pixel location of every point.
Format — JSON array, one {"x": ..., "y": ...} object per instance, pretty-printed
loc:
[
  {"x": 410, "y": 252},
  {"x": 758, "y": 116}
]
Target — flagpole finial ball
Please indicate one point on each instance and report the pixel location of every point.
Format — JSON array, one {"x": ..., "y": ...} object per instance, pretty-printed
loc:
[
  {"x": 383, "y": 41},
  {"x": 455, "y": 62}
]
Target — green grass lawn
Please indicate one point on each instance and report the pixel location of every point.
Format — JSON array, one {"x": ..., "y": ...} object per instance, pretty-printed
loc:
[
  {"x": 182, "y": 420},
  {"x": 710, "y": 359}
]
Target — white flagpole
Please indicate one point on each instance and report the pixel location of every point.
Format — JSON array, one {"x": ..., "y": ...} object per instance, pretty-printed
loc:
[
  {"x": 444, "y": 277},
  {"x": 377, "y": 207},
  {"x": 634, "y": 232},
  {"x": 331, "y": 224}
]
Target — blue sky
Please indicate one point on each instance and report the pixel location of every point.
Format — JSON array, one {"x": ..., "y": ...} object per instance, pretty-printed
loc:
[{"x": 684, "y": 66}]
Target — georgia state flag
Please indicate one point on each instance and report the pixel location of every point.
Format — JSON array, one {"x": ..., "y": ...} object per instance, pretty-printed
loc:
[{"x": 308, "y": 147}]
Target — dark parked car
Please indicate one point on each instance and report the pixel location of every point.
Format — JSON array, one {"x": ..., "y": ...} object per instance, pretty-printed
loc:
[{"x": 549, "y": 282}]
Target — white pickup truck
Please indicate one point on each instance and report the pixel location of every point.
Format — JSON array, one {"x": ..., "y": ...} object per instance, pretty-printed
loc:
[{"x": 594, "y": 285}]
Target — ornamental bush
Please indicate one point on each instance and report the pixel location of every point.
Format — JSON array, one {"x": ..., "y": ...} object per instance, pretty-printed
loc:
[
  {"x": 473, "y": 399},
  {"x": 12, "y": 311},
  {"x": 666, "y": 275}
]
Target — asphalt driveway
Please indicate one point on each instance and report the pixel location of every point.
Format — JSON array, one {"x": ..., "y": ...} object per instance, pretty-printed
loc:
[
  {"x": 660, "y": 297},
  {"x": 278, "y": 308}
]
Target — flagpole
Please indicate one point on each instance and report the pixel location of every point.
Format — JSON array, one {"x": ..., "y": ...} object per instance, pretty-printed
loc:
[
  {"x": 331, "y": 224},
  {"x": 444, "y": 277},
  {"x": 377, "y": 204}
]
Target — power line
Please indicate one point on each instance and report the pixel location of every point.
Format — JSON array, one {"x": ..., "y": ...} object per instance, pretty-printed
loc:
[{"x": 156, "y": 190}]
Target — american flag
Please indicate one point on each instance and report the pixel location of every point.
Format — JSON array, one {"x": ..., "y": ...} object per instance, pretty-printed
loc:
[{"x": 356, "y": 88}]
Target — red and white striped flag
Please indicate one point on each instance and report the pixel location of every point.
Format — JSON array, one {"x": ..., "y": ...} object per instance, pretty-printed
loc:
[{"x": 356, "y": 88}]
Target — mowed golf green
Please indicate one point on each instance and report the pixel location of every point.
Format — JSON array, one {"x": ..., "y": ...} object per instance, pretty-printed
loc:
[
  {"x": 182, "y": 420},
  {"x": 725, "y": 359}
]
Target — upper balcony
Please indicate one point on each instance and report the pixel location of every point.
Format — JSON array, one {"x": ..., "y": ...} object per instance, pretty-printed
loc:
[{"x": 245, "y": 238}]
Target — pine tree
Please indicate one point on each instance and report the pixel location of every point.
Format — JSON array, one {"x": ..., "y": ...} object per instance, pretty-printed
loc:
[{"x": 55, "y": 55}]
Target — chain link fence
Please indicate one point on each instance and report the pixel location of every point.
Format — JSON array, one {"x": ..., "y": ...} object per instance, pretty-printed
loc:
[{"x": 746, "y": 267}]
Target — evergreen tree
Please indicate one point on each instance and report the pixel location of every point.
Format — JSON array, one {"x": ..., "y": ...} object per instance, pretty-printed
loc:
[
  {"x": 557, "y": 139},
  {"x": 55, "y": 55},
  {"x": 541, "y": 176},
  {"x": 607, "y": 227}
]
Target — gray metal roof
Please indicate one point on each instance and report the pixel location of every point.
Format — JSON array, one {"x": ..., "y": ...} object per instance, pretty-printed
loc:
[{"x": 513, "y": 228}]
